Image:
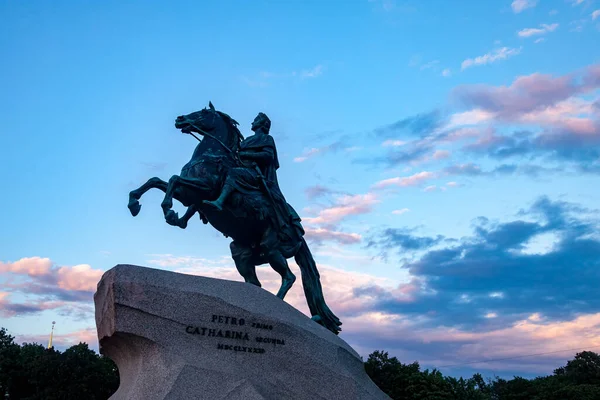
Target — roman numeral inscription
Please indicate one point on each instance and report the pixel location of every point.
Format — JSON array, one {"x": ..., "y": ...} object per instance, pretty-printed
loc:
[{"x": 237, "y": 330}]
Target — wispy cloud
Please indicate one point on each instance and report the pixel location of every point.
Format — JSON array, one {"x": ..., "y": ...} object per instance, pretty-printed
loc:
[
  {"x": 393, "y": 143},
  {"x": 386, "y": 5},
  {"x": 429, "y": 65},
  {"x": 412, "y": 180},
  {"x": 265, "y": 78},
  {"x": 313, "y": 72},
  {"x": 560, "y": 118},
  {"x": 344, "y": 206},
  {"x": 595, "y": 14},
  {"x": 323, "y": 234},
  {"x": 316, "y": 191},
  {"x": 470, "y": 117},
  {"x": 46, "y": 286},
  {"x": 308, "y": 153},
  {"x": 416, "y": 125},
  {"x": 76, "y": 278},
  {"x": 341, "y": 144},
  {"x": 339, "y": 284},
  {"x": 416, "y": 61},
  {"x": 578, "y": 25},
  {"x": 400, "y": 211},
  {"x": 528, "y": 93},
  {"x": 521, "y": 5},
  {"x": 502, "y": 53},
  {"x": 561, "y": 106},
  {"x": 544, "y": 28},
  {"x": 441, "y": 154}
]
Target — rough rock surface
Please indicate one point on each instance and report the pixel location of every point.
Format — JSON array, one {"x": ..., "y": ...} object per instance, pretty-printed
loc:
[{"x": 176, "y": 336}]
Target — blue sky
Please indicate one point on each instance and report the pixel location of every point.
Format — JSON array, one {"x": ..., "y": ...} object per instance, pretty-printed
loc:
[{"x": 444, "y": 157}]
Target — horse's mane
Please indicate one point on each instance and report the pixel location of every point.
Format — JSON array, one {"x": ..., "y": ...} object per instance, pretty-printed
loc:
[{"x": 235, "y": 136}]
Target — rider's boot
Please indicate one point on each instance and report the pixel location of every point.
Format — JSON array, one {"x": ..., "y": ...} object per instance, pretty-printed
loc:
[{"x": 218, "y": 203}]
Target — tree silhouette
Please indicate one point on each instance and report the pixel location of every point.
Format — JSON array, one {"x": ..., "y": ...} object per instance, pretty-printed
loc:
[{"x": 32, "y": 372}]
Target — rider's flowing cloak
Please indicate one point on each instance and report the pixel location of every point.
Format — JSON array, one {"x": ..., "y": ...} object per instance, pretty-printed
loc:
[{"x": 248, "y": 181}]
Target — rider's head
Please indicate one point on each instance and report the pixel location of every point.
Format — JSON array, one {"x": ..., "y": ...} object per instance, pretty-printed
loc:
[{"x": 261, "y": 122}]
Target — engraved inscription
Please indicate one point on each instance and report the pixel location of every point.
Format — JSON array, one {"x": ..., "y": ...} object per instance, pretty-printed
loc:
[
  {"x": 240, "y": 348},
  {"x": 224, "y": 319},
  {"x": 197, "y": 330},
  {"x": 236, "y": 332},
  {"x": 270, "y": 340},
  {"x": 262, "y": 326}
]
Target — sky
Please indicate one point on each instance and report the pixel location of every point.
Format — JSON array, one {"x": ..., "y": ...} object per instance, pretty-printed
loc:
[{"x": 444, "y": 158}]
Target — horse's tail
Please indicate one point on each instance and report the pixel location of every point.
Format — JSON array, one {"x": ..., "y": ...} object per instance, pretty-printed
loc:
[{"x": 313, "y": 290}]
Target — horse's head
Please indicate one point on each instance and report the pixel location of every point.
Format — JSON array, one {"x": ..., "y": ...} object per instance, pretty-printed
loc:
[{"x": 216, "y": 123}]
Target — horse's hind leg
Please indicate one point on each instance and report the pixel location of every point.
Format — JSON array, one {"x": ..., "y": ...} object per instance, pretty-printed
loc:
[
  {"x": 152, "y": 183},
  {"x": 242, "y": 256},
  {"x": 280, "y": 265}
]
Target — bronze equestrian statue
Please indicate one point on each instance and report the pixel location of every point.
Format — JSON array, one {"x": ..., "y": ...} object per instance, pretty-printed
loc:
[{"x": 231, "y": 182}]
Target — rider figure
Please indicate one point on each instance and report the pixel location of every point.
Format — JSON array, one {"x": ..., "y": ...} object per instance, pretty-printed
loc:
[{"x": 259, "y": 154}]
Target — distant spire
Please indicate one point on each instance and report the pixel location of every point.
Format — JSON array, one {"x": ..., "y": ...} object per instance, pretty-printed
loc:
[{"x": 51, "y": 335}]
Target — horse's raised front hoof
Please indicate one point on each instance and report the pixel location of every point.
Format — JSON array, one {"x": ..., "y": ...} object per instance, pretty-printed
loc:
[
  {"x": 134, "y": 207},
  {"x": 172, "y": 218}
]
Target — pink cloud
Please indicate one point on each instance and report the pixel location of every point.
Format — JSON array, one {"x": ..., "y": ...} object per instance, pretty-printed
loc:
[
  {"x": 4, "y": 301},
  {"x": 337, "y": 145},
  {"x": 32, "y": 266},
  {"x": 10, "y": 309},
  {"x": 47, "y": 286},
  {"x": 322, "y": 234},
  {"x": 309, "y": 153},
  {"x": 418, "y": 337},
  {"x": 487, "y": 140},
  {"x": 532, "y": 335},
  {"x": 441, "y": 154},
  {"x": 412, "y": 180},
  {"x": 344, "y": 206},
  {"x": 591, "y": 78},
  {"x": 531, "y": 93},
  {"x": 79, "y": 277},
  {"x": 338, "y": 285}
]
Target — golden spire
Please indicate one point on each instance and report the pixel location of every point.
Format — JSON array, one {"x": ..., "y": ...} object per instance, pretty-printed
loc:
[{"x": 51, "y": 335}]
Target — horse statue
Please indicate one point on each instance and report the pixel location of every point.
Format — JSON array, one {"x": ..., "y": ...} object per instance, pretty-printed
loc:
[{"x": 231, "y": 183}]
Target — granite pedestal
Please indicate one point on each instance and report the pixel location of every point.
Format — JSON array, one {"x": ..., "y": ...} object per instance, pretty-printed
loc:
[{"x": 176, "y": 336}]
